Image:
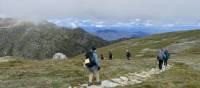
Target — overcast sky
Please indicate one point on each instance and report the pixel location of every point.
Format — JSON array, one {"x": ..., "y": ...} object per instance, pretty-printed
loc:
[{"x": 163, "y": 10}]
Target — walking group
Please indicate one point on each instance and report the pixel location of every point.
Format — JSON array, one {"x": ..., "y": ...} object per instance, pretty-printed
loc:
[
  {"x": 162, "y": 57},
  {"x": 92, "y": 62},
  {"x": 110, "y": 55}
]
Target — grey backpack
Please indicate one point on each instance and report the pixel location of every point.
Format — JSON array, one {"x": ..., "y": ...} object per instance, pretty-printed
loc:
[{"x": 160, "y": 55}]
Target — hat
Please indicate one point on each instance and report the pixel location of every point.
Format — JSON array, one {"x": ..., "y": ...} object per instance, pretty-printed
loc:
[{"x": 93, "y": 48}]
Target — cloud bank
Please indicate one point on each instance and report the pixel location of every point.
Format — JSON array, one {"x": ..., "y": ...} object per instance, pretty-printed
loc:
[{"x": 102, "y": 9}]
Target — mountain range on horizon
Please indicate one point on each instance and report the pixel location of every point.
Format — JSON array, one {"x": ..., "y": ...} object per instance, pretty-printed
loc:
[
  {"x": 125, "y": 29},
  {"x": 115, "y": 30}
]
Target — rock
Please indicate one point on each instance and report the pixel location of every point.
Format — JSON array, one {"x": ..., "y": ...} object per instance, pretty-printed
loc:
[
  {"x": 117, "y": 80},
  {"x": 145, "y": 74},
  {"x": 124, "y": 78},
  {"x": 120, "y": 81},
  {"x": 59, "y": 56},
  {"x": 5, "y": 59},
  {"x": 139, "y": 75},
  {"x": 134, "y": 81},
  {"x": 108, "y": 84},
  {"x": 84, "y": 85},
  {"x": 94, "y": 86}
]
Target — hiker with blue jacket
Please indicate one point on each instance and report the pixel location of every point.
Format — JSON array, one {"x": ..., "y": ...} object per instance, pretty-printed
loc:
[
  {"x": 167, "y": 55},
  {"x": 160, "y": 58},
  {"x": 93, "y": 66}
]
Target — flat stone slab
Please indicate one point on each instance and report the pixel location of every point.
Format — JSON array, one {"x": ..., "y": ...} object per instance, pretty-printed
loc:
[{"x": 108, "y": 84}]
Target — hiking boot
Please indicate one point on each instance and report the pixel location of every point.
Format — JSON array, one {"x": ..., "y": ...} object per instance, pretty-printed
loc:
[
  {"x": 89, "y": 83},
  {"x": 98, "y": 83}
]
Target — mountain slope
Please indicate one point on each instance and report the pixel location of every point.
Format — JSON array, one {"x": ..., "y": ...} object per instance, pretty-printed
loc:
[
  {"x": 42, "y": 40},
  {"x": 183, "y": 46},
  {"x": 113, "y": 34}
]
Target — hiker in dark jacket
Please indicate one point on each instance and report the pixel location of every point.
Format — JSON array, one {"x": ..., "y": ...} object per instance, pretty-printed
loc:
[
  {"x": 110, "y": 55},
  {"x": 128, "y": 55},
  {"x": 167, "y": 55},
  {"x": 94, "y": 67},
  {"x": 102, "y": 57},
  {"x": 160, "y": 57}
]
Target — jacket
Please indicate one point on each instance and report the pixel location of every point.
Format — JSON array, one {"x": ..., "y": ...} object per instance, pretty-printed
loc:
[{"x": 96, "y": 61}]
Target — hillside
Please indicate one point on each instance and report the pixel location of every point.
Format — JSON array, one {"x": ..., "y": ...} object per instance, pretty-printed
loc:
[
  {"x": 43, "y": 39},
  {"x": 113, "y": 34},
  {"x": 183, "y": 46}
]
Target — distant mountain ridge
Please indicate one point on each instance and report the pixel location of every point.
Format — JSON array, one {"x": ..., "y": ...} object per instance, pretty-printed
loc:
[
  {"x": 131, "y": 28},
  {"x": 111, "y": 34},
  {"x": 43, "y": 39}
]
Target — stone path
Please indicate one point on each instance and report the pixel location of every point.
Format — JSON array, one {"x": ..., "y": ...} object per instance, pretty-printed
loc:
[
  {"x": 128, "y": 79},
  {"x": 4, "y": 59}
]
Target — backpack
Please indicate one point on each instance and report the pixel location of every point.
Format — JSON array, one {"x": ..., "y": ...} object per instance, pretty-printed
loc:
[
  {"x": 128, "y": 54},
  {"x": 160, "y": 55},
  {"x": 89, "y": 61},
  {"x": 166, "y": 54}
]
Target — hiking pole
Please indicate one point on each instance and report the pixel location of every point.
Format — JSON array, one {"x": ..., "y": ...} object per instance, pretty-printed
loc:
[
  {"x": 156, "y": 64},
  {"x": 85, "y": 71}
]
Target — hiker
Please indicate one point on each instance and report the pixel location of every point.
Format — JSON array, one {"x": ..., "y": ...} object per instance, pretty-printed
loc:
[
  {"x": 88, "y": 54},
  {"x": 167, "y": 55},
  {"x": 160, "y": 57},
  {"x": 128, "y": 55},
  {"x": 110, "y": 55},
  {"x": 102, "y": 57},
  {"x": 93, "y": 66}
]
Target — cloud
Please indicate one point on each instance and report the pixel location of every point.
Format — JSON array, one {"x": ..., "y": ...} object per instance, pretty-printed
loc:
[{"x": 102, "y": 9}]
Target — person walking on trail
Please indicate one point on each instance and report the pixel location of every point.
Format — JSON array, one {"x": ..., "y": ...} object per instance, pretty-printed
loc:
[
  {"x": 167, "y": 55},
  {"x": 128, "y": 55},
  {"x": 93, "y": 66},
  {"x": 102, "y": 57},
  {"x": 110, "y": 55},
  {"x": 160, "y": 57}
]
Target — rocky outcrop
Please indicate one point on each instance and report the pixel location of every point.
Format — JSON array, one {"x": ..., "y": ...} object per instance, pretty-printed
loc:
[{"x": 59, "y": 56}]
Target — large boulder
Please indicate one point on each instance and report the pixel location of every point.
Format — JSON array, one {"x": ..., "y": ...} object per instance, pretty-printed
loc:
[{"x": 59, "y": 56}]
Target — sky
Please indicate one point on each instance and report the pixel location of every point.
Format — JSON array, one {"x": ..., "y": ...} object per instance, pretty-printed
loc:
[{"x": 161, "y": 10}]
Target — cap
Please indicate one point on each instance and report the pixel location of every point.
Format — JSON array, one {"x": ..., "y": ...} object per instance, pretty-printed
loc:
[{"x": 93, "y": 48}]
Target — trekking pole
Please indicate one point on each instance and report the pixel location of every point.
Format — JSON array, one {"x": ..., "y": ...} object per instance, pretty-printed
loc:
[
  {"x": 156, "y": 64},
  {"x": 85, "y": 71}
]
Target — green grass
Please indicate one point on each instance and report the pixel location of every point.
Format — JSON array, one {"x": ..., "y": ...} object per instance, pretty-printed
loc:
[
  {"x": 60, "y": 74},
  {"x": 184, "y": 74}
]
